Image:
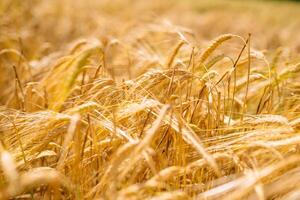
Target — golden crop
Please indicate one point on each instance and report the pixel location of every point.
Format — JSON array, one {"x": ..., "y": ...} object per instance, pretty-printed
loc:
[{"x": 155, "y": 99}]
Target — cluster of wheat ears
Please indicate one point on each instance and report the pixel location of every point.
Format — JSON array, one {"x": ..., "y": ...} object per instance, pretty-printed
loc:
[{"x": 141, "y": 108}]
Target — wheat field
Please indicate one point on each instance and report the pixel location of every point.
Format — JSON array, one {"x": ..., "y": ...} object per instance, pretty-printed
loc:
[{"x": 155, "y": 100}]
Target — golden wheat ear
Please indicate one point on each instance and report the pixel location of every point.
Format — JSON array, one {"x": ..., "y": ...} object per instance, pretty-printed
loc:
[{"x": 215, "y": 44}]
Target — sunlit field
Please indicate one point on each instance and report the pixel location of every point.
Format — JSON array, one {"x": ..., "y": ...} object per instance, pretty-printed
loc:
[{"x": 160, "y": 100}]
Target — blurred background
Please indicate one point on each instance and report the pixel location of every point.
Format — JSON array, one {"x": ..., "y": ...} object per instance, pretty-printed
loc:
[{"x": 50, "y": 24}]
